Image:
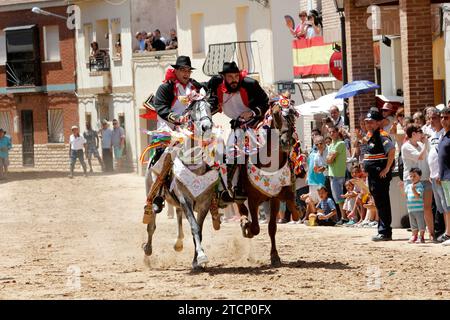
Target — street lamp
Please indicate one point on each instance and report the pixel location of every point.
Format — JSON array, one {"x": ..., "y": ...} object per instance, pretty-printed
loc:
[
  {"x": 339, "y": 4},
  {"x": 38, "y": 10}
]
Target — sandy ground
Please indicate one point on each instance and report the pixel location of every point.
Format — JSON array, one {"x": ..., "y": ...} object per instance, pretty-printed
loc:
[{"x": 82, "y": 238}]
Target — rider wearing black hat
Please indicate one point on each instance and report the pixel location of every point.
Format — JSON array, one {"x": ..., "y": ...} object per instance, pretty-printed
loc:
[
  {"x": 378, "y": 163},
  {"x": 170, "y": 102},
  {"x": 242, "y": 99},
  {"x": 238, "y": 96}
]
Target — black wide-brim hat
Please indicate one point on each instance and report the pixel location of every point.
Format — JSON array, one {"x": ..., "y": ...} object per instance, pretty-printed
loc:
[
  {"x": 373, "y": 115},
  {"x": 183, "y": 61},
  {"x": 230, "y": 67}
]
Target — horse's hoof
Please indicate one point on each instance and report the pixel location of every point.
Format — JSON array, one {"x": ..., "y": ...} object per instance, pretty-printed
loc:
[
  {"x": 147, "y": 249},
  {"x": 202, "y": 260},
  {"x": 275, "y": 261},
  {"x": 246, "y": 231},
  {"x": 178, "y": 246}
]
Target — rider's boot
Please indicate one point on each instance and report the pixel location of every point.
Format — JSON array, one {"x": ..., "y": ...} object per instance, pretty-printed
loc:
[
  {"x": 226, "y": 196},
  {"x": 240, "y": 195}
]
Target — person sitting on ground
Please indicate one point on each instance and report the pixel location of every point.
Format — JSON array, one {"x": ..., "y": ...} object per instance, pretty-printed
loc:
[
  {"x": 414, "y": 199},
  {"x": 326, "y": 210}
]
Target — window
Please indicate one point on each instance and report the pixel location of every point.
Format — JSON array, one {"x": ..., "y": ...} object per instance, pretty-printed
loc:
[
  {"x": 5, "y": 121},
  {"x": 22, "y": 56},
  {"x": 102, "y": 34},
  {"x": 88, "y": 38},
  {"x": 51, "y": 43},
  {"x": 116, "y": 41},
  {"x": 122, "y": 120},
  {"x": 88, "y": 117},
  {"x": 198, "y": 33},
  {"x": 55, "y": 126},
  {"x": 2, "y": 48},
  {"x": 242, "y": 24}
]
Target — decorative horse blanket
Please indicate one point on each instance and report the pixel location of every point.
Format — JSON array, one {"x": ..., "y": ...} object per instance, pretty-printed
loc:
[
  {"x": 194, "y": 183},
  {"x": 269, "y": 183}
]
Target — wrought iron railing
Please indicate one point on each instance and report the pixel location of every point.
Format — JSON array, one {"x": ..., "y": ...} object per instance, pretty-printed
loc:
[
  {"x": 242, "y": 52},
  {"x": 21, "y": 74},
  {"x": 100, "y": 62}
]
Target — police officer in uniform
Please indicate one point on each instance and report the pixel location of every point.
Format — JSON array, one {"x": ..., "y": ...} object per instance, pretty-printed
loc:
[{"x": 378, "y": 163}]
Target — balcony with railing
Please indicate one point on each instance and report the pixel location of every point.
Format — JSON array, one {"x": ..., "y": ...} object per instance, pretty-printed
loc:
[
  {"x": 244, "y": 53},
  {"x": 100, "y": 61}
]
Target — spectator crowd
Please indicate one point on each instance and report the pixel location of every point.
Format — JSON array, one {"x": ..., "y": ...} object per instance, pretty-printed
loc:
[
  {"x": 336, "y": 190},
  {"x": 154, "y": 41}
]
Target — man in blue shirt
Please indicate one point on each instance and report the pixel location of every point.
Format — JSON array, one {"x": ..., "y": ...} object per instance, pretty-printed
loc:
[
  {"x": 444, "y": 172},
  {"x": 5, "y": 146}
]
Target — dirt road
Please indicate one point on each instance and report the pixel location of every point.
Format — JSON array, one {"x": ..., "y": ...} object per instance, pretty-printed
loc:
[{"x": 81, "y": 239}]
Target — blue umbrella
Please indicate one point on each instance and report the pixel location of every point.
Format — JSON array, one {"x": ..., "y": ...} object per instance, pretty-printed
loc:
[{"x": 356, "y": 87}]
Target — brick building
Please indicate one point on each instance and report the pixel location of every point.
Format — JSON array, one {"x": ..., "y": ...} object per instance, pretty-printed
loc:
[
  {"x": 417, "y": 70},
  {"x": 38, "y": 104}
]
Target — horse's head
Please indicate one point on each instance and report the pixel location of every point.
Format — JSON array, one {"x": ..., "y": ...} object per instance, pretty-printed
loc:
[
  {"x": 199, "y": 112},
  {"x": 284, "y": 115}
]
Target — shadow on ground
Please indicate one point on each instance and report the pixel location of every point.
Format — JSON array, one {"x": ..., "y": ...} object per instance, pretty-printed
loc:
[
  {"x": 268, "y": 269},
  {"x": 42, "y": 175}
]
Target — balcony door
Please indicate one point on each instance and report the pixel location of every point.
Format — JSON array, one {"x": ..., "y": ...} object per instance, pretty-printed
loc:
[{"x": 27, "y": 138}]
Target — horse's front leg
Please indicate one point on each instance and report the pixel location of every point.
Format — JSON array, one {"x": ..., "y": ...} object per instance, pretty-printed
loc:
[
  {"x": 200, "y": 259},
  {"x": 151, "y": 227},
  {"x": 253, "y": 206},
  {"x": 274, "y": 207},
  {"x": 179, "y": 244},
  {"x": 245, "y": 223}
]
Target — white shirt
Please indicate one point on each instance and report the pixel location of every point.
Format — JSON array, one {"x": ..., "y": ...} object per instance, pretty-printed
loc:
[
  {"x": 339, "y": 123},
  {"x": 433, "y": 159},
  {"x": 77, "y": 143},
  {"x": 428, "y": 130},
  {"x": 233, "y": 106},
  {"x": 388, "y": 127},
  {"x": 410, "y": 156},
  {"x": 178, "y": 107}
]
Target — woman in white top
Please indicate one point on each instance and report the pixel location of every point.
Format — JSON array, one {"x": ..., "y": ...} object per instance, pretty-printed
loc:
[
  {"x": 313, "y": 26},
  {"x": 414, "y": 155}
]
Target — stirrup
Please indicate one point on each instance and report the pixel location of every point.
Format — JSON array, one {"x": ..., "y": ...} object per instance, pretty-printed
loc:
[{"x": 158, "y": 204}]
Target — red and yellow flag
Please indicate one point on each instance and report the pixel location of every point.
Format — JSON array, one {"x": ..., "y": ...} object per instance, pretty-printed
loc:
[{"x": 311, "y": 57}]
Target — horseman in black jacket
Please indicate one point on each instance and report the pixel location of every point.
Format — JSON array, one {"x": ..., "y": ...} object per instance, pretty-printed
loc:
[
  {"x": 170, "y": 102},
  {"x": 242, "y": 99}
]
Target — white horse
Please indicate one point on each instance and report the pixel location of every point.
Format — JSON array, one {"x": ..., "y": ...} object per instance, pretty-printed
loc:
[{"x": 190, "y": 185}]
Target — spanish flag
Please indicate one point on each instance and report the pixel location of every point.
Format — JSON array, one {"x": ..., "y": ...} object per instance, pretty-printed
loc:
[{"x": 311, "y": 57}]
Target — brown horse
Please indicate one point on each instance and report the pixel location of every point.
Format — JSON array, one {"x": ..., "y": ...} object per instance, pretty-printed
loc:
[{"x": 283, "y": 123}]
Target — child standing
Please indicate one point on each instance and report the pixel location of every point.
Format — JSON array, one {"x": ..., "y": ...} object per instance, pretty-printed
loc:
[
  {"x": 350, "y": 202},
  {"x": 326, "y": 210},
  {"x": 414, "y": 199}
]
